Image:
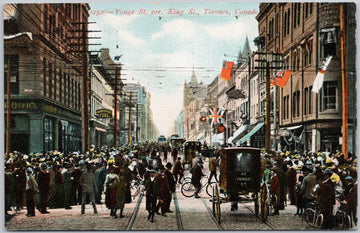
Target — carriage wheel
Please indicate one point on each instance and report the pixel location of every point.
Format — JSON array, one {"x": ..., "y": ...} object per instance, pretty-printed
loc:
[
  {"x": 264, "y": 197},
  {"x": 218, "y": 210},
  {"x": 256, "y": 204},
  {"x": 209, "y": 188}
]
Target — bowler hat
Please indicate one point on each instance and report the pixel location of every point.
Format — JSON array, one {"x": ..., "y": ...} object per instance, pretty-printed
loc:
[{"x": 168, "y": 165}]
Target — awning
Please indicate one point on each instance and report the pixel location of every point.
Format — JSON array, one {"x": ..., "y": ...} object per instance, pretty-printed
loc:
[
  {"x": 100, "y": 129},
  {"x": 237, "y": 133},
  {"x": 294, "y": 127},
  {"x": 251, "y": 133},
  {"x": 218, "y": 138},
  {"x": 9, "y": 37}
]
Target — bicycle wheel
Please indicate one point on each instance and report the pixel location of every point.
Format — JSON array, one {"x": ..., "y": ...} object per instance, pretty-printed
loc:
[
  {"x": 209, "y": 188},
  {"x": 308, "y": 217},
  {"x": 188, "y": 189},
  {"x": 319, "y": 221}
]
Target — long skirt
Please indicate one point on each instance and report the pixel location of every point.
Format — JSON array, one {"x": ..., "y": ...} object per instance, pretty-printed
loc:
[{"x": 110, "y": 198}]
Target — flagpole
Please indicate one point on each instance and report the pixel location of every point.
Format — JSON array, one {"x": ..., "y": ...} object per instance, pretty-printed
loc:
[
  {"x": 344, "y": 86},
  {"x": 267, "y": 118}
]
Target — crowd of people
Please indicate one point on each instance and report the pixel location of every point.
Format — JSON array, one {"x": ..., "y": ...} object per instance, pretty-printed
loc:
[
  {"x": 44, "y": 181},
  {"x": 328, "y": 179}
]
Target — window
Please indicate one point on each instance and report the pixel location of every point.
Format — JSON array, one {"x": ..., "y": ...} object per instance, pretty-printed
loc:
[
  {"x": 44, "y": 76},
  {"x": 305, "y": 57},
  {"x": 293, "y": 107},
  {"x": 55, "y": 83},
  {"x": 310, "y": 46},
  {"x": 296, "y": 15},
  {"x": 298, "y": 103},
  {"x": 328, "y": 39},
  {"x": 50, "y": 80},
  {"x": 14, "y": 73},
  {"x": 329, "y": 95},
  {"x": 306, "y": 100},
  {"x": 310, "y": 100},
  {"x": 310, "y": 8},
  {"x": 285, "y": 24},
  {"x": 48, "y": 134},
  {"x": 284, "y": 108}
]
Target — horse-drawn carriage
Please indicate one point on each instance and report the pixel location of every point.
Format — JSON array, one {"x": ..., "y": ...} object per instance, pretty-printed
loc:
[
  {"x": 191, "y": 148},
  {"x": 239, "y": 178}
]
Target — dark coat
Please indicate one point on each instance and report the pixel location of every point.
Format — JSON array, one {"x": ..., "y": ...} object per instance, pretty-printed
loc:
[
  {"x": 178, "y": 169},
  {"x": 164, "y": 185},
  {"x": 171, "y": 180},
  {"x": 197, "y": 174},
  {"x": 44, "y": 181},
  {"x": 326, "y": 197},
  {"x": 152, "y": 188},
  {"x": 275, "y": 185}
]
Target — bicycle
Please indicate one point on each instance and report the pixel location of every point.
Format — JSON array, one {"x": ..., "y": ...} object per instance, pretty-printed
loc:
[
  {"x": 343, "y": 220},
  {"x": 188, "y": 189},
  {"x": 313, "y": 216},
  {"x": 137, "y": 187}
]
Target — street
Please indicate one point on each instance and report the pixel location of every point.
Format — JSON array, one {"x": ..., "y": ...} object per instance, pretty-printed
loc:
[{"x": 188, "y": 214}]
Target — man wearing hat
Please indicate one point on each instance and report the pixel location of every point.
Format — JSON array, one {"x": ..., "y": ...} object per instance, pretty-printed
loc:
[
  {"x": 308, "y": 185},
  {"x": 178, "y": 170},
  {"x": 196, "y": 177},
  {"x": 31, "y": 189},
  {"x": 326, "y": 199},
  {"x": 44, "y": 188},
  {"x": 172, "y": 184},
  {"x": 212, "y": 168},
  {"x": 152, "y": 188},
  {"x": 164, "y": 191}
]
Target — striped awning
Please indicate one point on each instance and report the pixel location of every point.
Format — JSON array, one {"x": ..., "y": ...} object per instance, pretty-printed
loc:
[{"x": 251, "y": 133}]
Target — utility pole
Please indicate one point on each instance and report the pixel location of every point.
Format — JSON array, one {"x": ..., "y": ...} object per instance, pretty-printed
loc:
[
  {"x": 345, "y": 113},
  {"x": 267, "y": 118},
  {"x": 130, "y": 120},
  {"x": 115, "y": 105},
  {"x": 137, "y": 123},
  {"x": 268, "y": 98},
  {"x": 86, "y": 89},
  {"x": 8, "y": 109}
]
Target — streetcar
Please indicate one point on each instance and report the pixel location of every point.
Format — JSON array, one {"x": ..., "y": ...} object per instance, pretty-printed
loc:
[
  {"x": 239, "y": 178},
  {"x": 175, "y": 141},
  {"x": 191, "y": 148}
]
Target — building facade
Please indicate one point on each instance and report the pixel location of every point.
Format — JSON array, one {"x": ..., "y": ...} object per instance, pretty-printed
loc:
[
  {"x": 42, "y": 46},
  {"x": 306, "y": 34}
]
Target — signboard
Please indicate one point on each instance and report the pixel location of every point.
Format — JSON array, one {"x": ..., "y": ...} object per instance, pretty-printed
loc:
[
  {"x": 28, "y": 105},
  {"x": 104, "y": 113}
]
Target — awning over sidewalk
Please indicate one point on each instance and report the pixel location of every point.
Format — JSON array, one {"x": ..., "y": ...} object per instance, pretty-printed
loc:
[
  {"x": 201, "y": 136},
  {"x": 237, "y": 134},
  {"x": 251, "y": 133},
  {"x": 218, "y": 138}
]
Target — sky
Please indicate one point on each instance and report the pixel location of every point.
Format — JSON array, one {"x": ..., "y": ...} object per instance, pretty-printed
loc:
[{"x": 163, "y": 43}]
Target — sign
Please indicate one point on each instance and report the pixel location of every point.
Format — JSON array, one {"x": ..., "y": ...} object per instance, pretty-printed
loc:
[
  {"x": 104, "y": 113},
  {"x": 221, "y": 128},
  {"x": 23, "y": 105},
  {"x": 203, "y": 118}
]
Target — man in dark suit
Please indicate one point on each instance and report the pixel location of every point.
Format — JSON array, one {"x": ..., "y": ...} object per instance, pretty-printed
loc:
[
  {"x": 172, "y": 184},
  {"x": 196, "y": 177},
  {"x": 44, "y": 188},
  {"x": 152, "y": 188},
  {"x": 326, "y": 199},
  {"x": 178, "y": 170}
]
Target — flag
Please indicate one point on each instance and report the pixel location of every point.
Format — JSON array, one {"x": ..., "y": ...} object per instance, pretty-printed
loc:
[
  {"x": 216, "y": 116},
  {"x": 226, "y": 70},
  {"x": 320, "y": 75},
  {"x": 282, "y": 78}
]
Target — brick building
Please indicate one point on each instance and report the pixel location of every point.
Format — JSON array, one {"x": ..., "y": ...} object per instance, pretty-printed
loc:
[
  {"x": 42, "y": 43},
  {"x": 305, "y": 34}
]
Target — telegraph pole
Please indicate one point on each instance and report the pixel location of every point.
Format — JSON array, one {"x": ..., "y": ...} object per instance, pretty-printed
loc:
[
  {"x": 268, "y": 99},
  {"x": 130, "y": 120},
  {"x": 8, "y": 109},
  {"x": 267, "y": 118},
  {"x": 345, "y": 113},
  {"x": 86, "y": 89},
  {"x": 115, "y": 105},
  {"x": 137, "y": 123}
]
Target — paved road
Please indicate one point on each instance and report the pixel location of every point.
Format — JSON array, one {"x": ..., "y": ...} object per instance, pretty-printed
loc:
[{"x": 188, "y": 214}]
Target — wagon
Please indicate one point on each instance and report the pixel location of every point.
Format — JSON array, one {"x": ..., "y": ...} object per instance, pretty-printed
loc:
[
  {"x": 239, "y": 178},
  {"x": 190, "y": 150}
]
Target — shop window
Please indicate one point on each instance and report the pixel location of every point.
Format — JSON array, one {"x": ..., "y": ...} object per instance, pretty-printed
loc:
[
  {"x": 329, "y": 95},
  {"x": 48, "y": 134}
]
